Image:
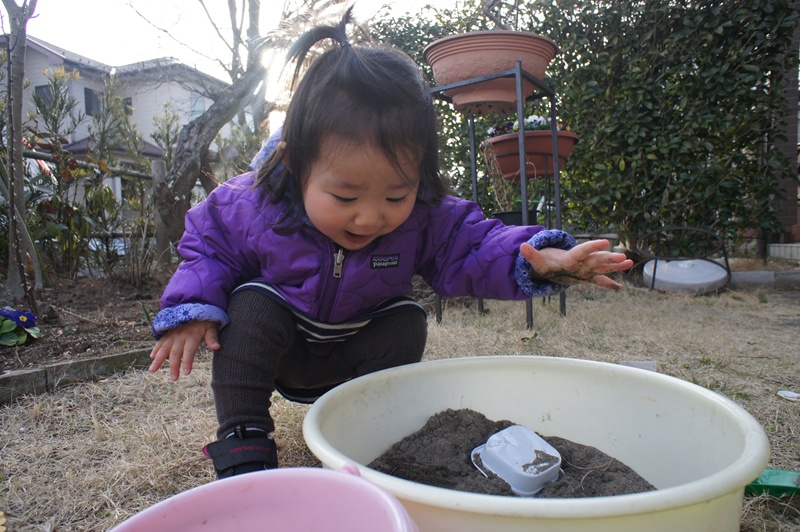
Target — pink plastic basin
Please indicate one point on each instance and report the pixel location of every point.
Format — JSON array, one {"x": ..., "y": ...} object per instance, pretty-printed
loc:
[{"x": 296, "y": 499}]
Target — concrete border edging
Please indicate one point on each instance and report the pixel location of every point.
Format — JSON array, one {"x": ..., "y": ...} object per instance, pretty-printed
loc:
[
  {"x": 14, "y": 384},
  {"x": 789, "y": 279},
  {"x": 752, "y": 279}
]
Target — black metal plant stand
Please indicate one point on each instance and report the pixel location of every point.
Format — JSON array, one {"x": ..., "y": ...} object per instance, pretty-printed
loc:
[
  {"x": 681, "y": 244},
  {"x": 543, "y": 91}
]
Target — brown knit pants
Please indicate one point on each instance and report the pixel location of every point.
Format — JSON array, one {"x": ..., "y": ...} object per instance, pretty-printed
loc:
[{"x": 261, "y": 344}]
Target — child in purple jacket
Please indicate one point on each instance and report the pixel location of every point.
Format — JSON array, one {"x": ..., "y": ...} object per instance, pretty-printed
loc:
[{"x": 298, "y": 276}]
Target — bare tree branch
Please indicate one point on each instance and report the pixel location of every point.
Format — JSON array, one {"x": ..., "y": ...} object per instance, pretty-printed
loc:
[
  {"x": 172, "y": 201},
  {"x": 173, "y": 197},
  {"x": 166, "y": 32}
]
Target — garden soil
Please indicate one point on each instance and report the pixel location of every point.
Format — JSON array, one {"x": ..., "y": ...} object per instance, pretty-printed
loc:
[
  {"x": 88, "y": 317},
  {"x": 439, "y": 454}
]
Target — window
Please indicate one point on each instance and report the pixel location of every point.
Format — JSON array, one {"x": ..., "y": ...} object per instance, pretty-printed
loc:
[
  {"x": 44, "y": 95},
  {"x": 94, "y": 101},
  {"x": 128, "y": 104}
]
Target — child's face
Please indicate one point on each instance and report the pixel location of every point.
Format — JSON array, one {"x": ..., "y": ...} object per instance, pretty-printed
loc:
[{"x": 354, "y": 194}]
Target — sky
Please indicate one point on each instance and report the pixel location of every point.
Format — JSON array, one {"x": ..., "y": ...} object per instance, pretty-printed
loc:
[{"x": 111, "y": 31}]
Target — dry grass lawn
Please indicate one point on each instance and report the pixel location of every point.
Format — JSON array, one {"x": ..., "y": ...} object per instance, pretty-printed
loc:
[{"x": 88, "y": 456}]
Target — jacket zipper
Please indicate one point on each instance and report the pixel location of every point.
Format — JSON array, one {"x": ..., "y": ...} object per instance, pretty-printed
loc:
[
  {"x": 332, "y": 286},
  {"x": 338, "y": 261}
]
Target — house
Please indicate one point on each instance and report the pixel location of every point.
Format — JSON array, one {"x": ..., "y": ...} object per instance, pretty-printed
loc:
[{"x": 146, "y": 87}]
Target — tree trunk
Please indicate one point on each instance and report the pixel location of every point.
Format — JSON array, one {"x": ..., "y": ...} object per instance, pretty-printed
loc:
[
  {"x": 172, "y": 197},
  {"x": 787, "y": 142},
  {"x": 163, "y": 245},
  {"x": 27, "y": 246},
  {"x": 17, "y": 249}
]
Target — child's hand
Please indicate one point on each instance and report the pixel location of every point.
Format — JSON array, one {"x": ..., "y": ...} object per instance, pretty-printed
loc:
[
  {"x": 180, "y": 346},
  {"x": 585, "y": 263}
]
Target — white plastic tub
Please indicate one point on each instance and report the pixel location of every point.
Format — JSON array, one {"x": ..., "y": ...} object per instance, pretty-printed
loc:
[{"x": 698, "y": 448}]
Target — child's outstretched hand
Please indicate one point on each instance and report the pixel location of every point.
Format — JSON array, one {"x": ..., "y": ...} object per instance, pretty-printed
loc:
[
  {"x": 585, "y": 263},
  {"x": 180, "y": 346}
]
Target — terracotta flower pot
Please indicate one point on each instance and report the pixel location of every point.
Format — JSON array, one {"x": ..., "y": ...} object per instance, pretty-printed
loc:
[
  {"x": 480, "y": 53},
  {"x": 502, "y": 152}
]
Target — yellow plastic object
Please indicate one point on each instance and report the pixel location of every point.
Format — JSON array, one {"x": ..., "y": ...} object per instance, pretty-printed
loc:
[{"x": 698, "y": 448}]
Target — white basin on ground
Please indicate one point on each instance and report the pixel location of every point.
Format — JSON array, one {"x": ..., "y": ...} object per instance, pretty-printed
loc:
[
  {"x": 697, "y": 276},
  {"x": 698, "y": 448}
]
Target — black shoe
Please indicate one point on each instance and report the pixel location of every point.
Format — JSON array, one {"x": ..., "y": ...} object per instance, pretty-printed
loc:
[{"x": 244, "y": 450}]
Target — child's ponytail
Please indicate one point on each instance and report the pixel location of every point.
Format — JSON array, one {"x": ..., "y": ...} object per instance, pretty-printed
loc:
[
  {"x": 299, "y": 51},
  {"x": 369, "y": 95}
]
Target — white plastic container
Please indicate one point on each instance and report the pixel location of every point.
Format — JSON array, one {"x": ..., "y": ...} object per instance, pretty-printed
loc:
[
  {"x": 698, "y": 448},
  {"x": 696, "y": 276},
  {"x": 520, "y": 457}
]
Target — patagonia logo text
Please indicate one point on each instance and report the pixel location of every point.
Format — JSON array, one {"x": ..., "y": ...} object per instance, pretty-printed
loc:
[{"x": 385, "y": 261}]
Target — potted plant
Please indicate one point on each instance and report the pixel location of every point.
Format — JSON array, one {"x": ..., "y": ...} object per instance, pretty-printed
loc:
[
  {"x": 501, "y": 149},
  {"x": 507, "y": 201},
  {"x": 475, "y": 54}
]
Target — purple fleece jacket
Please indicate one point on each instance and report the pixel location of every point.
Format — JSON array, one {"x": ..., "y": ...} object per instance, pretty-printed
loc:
[{"x": 236, "y": 236}]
